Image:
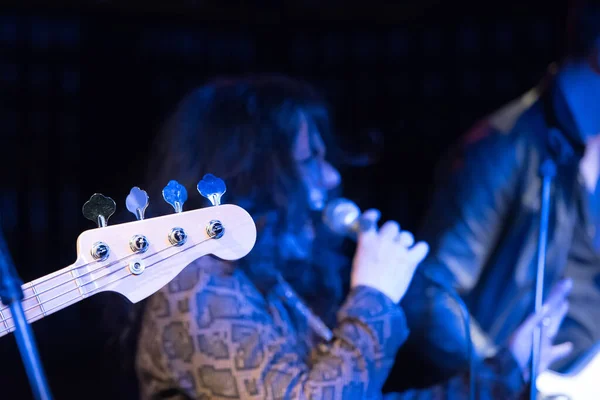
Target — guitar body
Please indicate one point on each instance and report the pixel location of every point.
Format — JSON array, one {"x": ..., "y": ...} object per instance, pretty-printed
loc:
[{"x": 581, "y": 382}]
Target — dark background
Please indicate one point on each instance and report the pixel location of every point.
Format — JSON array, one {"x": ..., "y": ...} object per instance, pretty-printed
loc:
[{"x": 83, "y": 91}]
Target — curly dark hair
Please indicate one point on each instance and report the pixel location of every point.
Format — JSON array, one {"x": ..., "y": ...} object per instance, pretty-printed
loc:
[{"x": 243, "y": 131}]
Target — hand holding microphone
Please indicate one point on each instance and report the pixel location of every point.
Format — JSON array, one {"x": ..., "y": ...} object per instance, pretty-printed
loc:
[
  {"x": 385, "y": 258},
  {"x": 392, "y": 276}
]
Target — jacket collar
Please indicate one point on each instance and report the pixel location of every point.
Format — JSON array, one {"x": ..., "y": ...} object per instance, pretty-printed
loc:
[{"x": 564, "y": 138}]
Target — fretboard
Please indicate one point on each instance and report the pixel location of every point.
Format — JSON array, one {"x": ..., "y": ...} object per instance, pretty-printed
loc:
[{"x": 47, "y": 295}]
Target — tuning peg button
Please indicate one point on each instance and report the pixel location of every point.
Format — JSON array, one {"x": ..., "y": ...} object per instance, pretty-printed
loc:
[
  {"x": 212, "y": 188},
  {"x": 99, "y": 209},
  {"x": 175, "y": 194},
  {"x": 177, "y": 237},
  {"x": 100, "y": 251},
  {"x": 137, "y": 202}
]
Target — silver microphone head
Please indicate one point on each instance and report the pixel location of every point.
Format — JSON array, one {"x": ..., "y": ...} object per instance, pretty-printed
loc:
[{"x": 341, "y": 216}]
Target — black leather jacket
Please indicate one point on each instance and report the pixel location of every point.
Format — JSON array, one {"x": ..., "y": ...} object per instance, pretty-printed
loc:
[{"x": 483, "y": 230}]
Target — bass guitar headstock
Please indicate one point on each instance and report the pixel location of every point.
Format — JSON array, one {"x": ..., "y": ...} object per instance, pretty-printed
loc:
[{"x": 138, "y": 258}]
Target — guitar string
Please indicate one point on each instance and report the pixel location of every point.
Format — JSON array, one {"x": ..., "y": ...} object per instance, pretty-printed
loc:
[
  {"x": 87, "y": 283},
  {"x": 73, "y": 268},
  {"x": 68, "y": 271},
  {"x": 44, "y": 312},
  {"x": 7, "y": 329}
]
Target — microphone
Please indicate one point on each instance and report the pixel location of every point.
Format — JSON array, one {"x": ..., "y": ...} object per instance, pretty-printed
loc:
[{"x": 342, "y": 216}]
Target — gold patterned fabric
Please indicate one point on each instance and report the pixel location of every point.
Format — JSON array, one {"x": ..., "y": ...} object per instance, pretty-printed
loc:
[{"x": 210, "y": 334}]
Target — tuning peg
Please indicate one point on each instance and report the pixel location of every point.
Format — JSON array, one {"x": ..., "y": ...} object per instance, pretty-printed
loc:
[
  {"x": 212, "y": 188},
  {"x": 99, "y": 208},
  {"x": 175, "y": 194},
  {"x": 136, "y": 202}
]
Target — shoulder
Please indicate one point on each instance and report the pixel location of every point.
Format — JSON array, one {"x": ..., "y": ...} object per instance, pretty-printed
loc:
[
  {"x": 504, "y": 137},
  {"x": 206, "y": 292},
  {"x": 205, "y": 317},
  {"x": 510, "y": 118},
  {"x": 199, "y": 304}
]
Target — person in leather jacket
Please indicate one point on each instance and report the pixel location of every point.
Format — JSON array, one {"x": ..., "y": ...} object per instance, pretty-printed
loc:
[{"x": 483, "y": 222}]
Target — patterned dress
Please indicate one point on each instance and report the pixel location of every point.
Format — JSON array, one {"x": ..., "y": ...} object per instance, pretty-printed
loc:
[{"x": 210, "y": 334}]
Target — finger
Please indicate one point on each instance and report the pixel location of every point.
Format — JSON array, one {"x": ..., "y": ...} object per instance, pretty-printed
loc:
[
  {"x": 368, "y": 221},
  {"x": 418, "y": 252},
  {"x": 389, "y": 230},
  {"x": 405, "y": 239},
  {"x": 557, "y": 319},
  {"x": 557, "y": 295},
  {"x": 554, "y": 316},
  {"x": 560, "y": 351},
  {"x": 533, "y": 320}
]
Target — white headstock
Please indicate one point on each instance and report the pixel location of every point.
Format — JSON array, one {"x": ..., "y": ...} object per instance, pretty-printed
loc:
[{"x": 138, "y": 258}]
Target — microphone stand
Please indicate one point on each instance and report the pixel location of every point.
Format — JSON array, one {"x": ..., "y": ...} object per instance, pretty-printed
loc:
[
  {"x": 11, "y": 295},
  {"x": 547, "y": 172}
]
